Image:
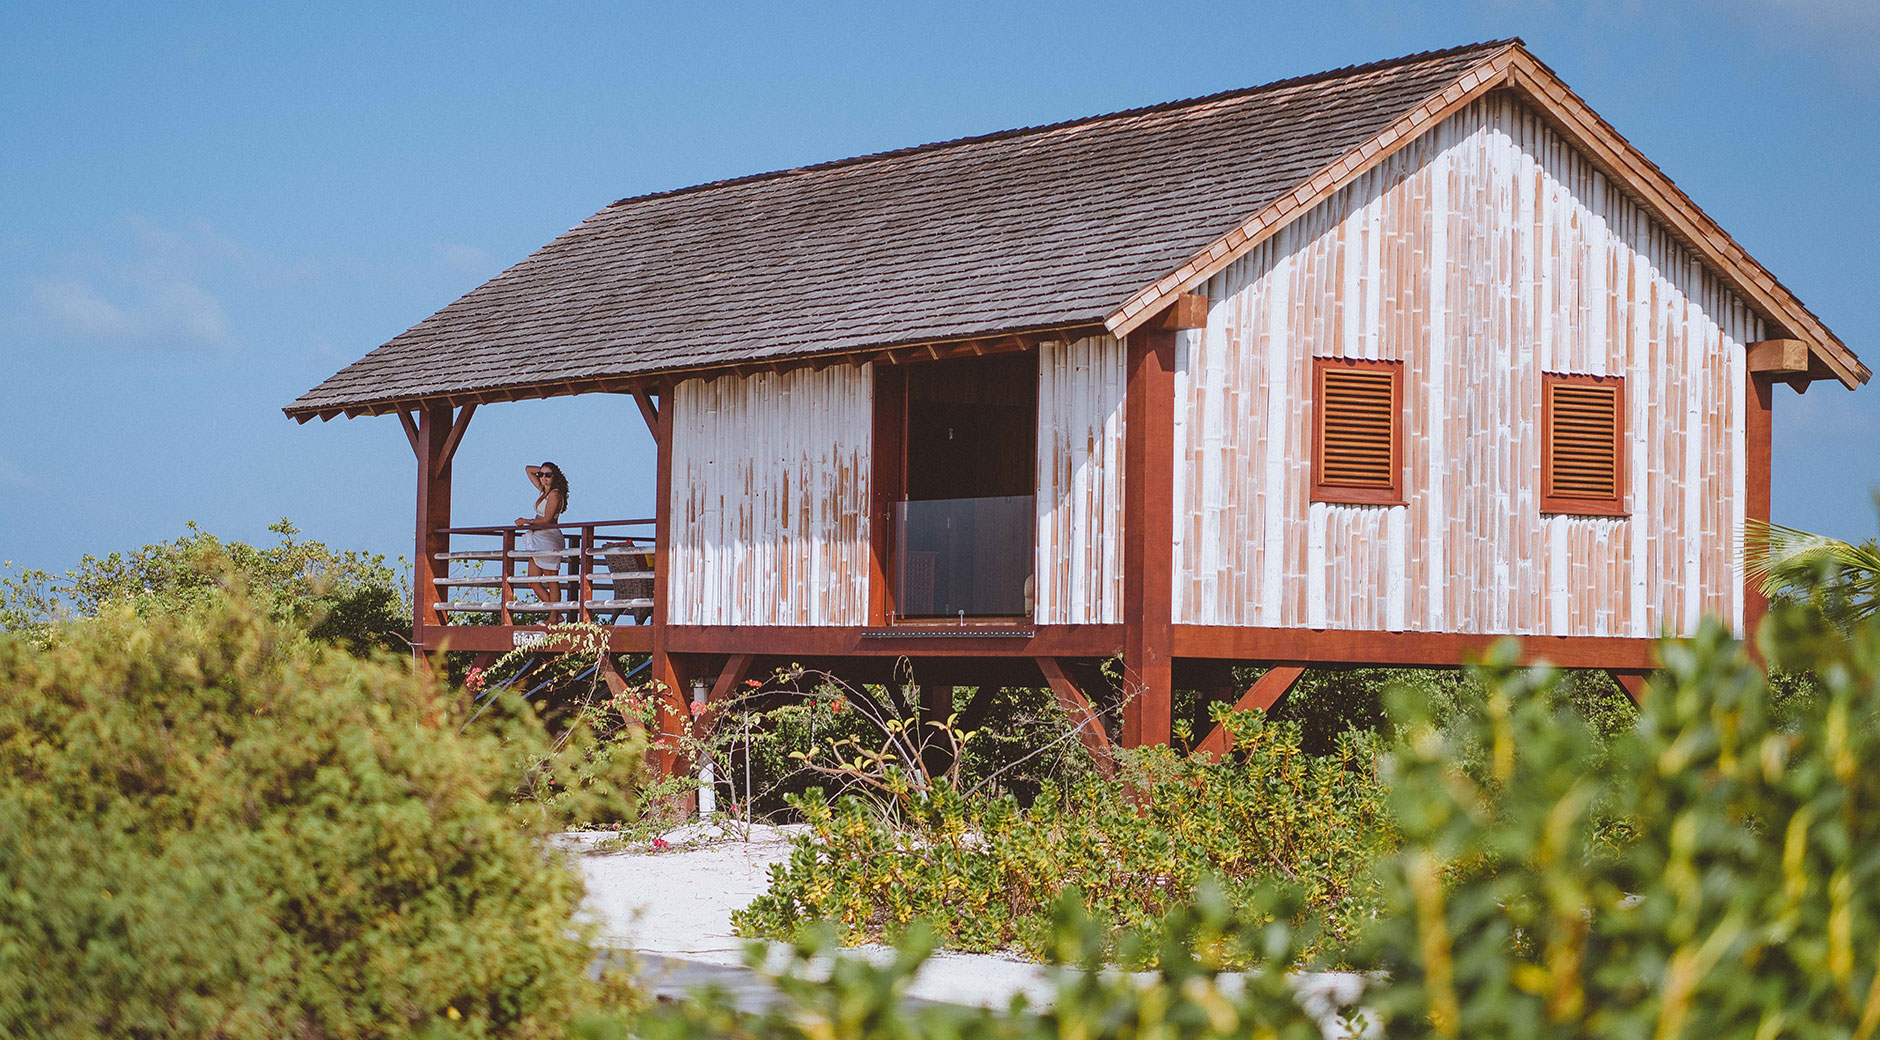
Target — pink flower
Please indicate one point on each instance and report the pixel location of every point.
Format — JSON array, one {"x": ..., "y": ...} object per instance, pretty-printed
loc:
[
  {"x": 474, "y": 681},
  {"x": 659, "y": 843}
]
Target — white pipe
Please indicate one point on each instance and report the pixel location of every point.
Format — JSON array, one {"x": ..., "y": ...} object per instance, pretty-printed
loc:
[{"x": 707, "y": 778}]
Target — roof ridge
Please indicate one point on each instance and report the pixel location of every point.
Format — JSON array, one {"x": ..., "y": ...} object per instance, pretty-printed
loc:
[{"x": 895, "y": 153}]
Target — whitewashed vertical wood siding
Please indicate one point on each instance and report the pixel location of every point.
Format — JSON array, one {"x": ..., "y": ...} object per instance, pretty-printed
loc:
[
  {"x": 770, "y": 498},
  {"x": 1482, "y": 255},
  {"x": 1079, "y": 572}
]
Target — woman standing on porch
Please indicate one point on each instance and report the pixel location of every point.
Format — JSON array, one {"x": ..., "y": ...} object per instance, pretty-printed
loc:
[{"x": 540, "y": 533}]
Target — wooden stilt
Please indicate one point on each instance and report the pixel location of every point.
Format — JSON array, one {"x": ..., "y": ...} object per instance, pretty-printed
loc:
[
  {"x": 669, "y": 682},
  {"x": 974, "y": 713},
  {"x": 1758, "y": 444},
  {"x": 434, "y": 438},
  {"x": 1262, "y": 695},
  {"x": 936, "y": 703},
  {"x": 1148, "y": 537}
]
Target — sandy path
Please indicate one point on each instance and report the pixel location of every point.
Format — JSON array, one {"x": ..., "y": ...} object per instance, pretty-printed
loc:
[{"x": 678, "y": 902}]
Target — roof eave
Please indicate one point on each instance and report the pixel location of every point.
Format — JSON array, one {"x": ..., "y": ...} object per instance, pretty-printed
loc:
[{"x": 887, "y": 352}]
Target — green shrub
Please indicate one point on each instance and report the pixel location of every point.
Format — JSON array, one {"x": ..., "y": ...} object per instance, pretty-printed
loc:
[
  {"x": 210, "y": 826},
  {"x": 347, "y": 598},
  {"x": 580, "y": 748},
  {"x": 1711, "y": 871},
  {"x": 1189, "y": 995},
  {"x": 1745, "y": 902},
  {"x": 988, "y": 871}
]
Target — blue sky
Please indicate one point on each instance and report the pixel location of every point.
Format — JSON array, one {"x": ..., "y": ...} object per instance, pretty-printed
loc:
[{"x": 205, "y": 210}]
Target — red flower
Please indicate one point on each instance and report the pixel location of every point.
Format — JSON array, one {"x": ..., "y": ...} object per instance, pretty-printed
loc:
[{"x": 659, "y": 843}]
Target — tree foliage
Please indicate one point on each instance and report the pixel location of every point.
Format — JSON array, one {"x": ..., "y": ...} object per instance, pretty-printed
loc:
[
  {"x": 1839, "y": 579},
  {"x": 347, "y": 597},
  {"x": 212, "y": 826}
]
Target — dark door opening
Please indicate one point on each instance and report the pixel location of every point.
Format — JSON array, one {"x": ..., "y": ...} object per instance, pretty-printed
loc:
[{"x": 964, "y": 521}]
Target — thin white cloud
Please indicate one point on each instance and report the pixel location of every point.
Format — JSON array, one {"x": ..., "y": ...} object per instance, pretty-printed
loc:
[
  {"x": 462, "y": 257},
  {"x": 155, "y": 288},
  {"x": 138, "y": 313},
  {"x": 1844, "y": 32},
  {"x": 13, "y": 476}
]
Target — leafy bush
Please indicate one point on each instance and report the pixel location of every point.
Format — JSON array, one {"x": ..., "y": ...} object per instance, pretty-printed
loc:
[
  {"x": 988, "y": 872},
  {"x": 1327, "y": 703},
  {"x": 1711, "y": 871},
  {"x": 591, "y": 770},
  {"x": 1189, "y": 995},
  {"x": 210, "y": 826},
  {"x": 1744, "y": 904},
  {"x": 348, "y": 598}
]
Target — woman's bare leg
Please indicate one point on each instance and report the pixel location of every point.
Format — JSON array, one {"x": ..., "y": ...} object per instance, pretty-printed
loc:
[{"x": 543, "y": 590}]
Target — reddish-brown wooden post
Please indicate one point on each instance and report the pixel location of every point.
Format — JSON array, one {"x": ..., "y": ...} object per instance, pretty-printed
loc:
[
  {"x": 433, "y": 447},
  {"x": 670, "y": 688},
  {"x": 887, "y": 481},
  {"x": 1758, "y": 452},
  {"x": 1148, "y": 536}
]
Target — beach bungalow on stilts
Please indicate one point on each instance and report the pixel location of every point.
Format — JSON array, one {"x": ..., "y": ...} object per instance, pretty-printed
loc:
[{"x": 1371, "y": 367}]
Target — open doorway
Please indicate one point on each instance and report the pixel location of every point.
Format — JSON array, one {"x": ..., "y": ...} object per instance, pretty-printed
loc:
[{"x": 964, "y": 514}]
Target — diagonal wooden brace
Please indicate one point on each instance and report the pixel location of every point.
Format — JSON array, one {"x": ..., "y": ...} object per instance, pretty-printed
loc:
[
  {"x": 1083, "y": 716},
  {"x": 1263, "y": 694}
]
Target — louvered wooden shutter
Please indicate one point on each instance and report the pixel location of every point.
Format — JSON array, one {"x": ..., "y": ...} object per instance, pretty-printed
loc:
[
  {"x": 1583, "y": 444},
  {"x": 1358, "y": 431}
]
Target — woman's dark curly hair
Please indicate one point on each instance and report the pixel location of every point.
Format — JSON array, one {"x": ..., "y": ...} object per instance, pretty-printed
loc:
[{"x": 557, "y": 482}]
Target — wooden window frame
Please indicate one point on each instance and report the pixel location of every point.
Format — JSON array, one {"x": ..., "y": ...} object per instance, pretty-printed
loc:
[
  {"x": 1342, "y": 493},
  {"x": 1580, "y": 505}
]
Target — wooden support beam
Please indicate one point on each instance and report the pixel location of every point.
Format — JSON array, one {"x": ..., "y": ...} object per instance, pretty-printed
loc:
[
  {"x": 649, "y": 410},
  {"x": 610, "y": 674},
  {"x": 410, "y": 424},
  {"x": 1758, "y": 453},
  {"x": 974, "y": 713},
  {"x": 457, "y": 427},
  {"x": 427, "y": 622},
  {"x": 1778, "y": 356},
  {"x": 668, "y": 677},
  {"x": 1083, "y": 715},
  {"x": 888, "y": 460},
  {"x": 705, "y": 716},
  {"x": 936, "y": 704},
  {"x": 1187, "y": 311},
  {"x": 1148, "y": 537},
  {"x": 1635, "y": 684},
  {"x": 1261, "y": 696}
]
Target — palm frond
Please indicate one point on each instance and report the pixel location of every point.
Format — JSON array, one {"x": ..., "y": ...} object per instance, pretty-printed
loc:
[{"x": 1842, "y": 579}]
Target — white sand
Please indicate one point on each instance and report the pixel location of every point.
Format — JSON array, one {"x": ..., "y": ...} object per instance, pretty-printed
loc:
[{"x": 677, "y": 902}]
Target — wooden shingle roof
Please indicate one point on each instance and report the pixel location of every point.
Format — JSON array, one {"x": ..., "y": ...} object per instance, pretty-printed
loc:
[{"x": 1072, "y": 224}]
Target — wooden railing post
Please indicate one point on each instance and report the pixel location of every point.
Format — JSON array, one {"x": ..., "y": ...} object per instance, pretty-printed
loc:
[
  {"x": 1148, "y": 537},
  {"x": 506, "y": 591},
  {"x": 584, "y": 589}
]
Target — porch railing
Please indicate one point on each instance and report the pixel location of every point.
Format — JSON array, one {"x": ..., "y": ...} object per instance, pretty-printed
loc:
[{"x": 604, "y": 574}]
